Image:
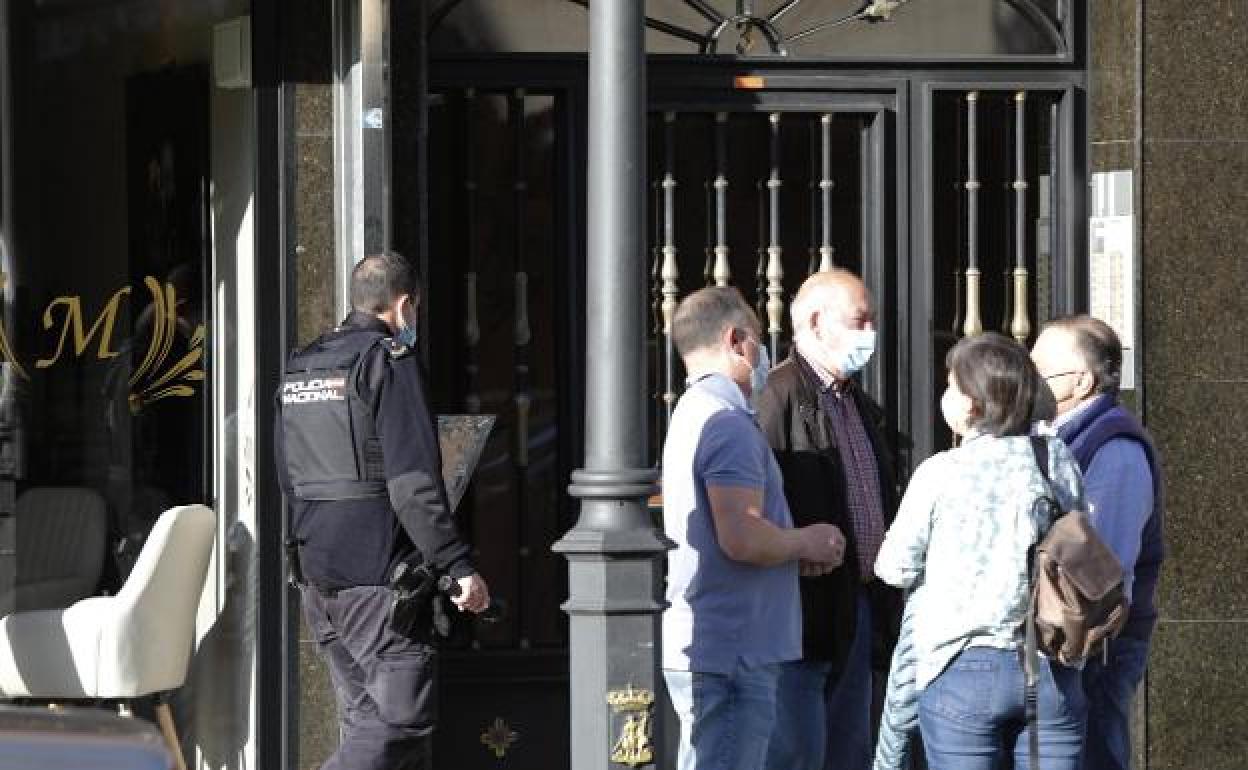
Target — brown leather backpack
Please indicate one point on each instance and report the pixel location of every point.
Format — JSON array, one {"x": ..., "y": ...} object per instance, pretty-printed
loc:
[{"x": 1078, "y": 602}]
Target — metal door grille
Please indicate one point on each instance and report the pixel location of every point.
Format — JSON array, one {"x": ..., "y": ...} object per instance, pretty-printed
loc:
[{"x": 755, "y": 200}]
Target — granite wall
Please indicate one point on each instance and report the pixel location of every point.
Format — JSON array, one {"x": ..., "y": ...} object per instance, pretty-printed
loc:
[
  {"x": 307, "y": 62},
  {"x": 1168, "y": 102}
]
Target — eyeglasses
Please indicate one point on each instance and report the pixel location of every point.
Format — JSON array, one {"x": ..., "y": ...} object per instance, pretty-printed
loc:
[{"x": 1048, "y": 377}]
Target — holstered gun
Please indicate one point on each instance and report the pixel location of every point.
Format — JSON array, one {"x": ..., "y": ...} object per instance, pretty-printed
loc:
[
  {"x": 412, "y": 585},
  {"x": 294, "y": 568}
]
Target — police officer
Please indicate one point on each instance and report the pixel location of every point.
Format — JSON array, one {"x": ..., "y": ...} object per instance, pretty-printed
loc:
[{"x": 358, "y": 458}]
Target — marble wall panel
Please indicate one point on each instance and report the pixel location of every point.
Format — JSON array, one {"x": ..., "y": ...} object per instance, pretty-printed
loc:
[
  {"x": 1194, "y": 271},
  {"x": 1196, "y": 428},
  {"x": 313, "y": 236},
  {"x": 1195, "y": 55},
  {"x": 318, "y": 713},
  {"x": 1198, "y": 716},
  {"x": 1112, "y": 25}
]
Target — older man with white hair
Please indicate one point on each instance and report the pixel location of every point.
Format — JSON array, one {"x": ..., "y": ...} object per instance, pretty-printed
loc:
[{"x": 829, "y": 438}]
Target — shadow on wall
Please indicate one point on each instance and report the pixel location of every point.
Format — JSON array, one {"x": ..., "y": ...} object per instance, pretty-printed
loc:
[{"x": 214, "y": 706}]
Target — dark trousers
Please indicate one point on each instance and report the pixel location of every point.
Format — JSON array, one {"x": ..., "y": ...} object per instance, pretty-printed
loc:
[
  {"x": 1110, "y": 687},
  {"x": 383, "y": 681}
]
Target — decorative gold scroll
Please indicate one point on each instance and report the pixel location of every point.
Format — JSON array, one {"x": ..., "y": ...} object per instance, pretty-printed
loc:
[
  {"x": 73, "y": 323},
  {"x": 156, "y": 377}
]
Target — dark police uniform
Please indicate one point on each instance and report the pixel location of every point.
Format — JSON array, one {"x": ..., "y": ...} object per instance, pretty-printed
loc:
[{"x": 358, "y": 458}]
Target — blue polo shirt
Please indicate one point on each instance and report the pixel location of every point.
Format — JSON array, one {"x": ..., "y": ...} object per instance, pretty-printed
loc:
[{"x": 722, "y": 611}]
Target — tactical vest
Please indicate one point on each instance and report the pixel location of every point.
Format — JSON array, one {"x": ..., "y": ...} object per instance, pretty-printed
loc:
[{"x": 332, "y": 449}]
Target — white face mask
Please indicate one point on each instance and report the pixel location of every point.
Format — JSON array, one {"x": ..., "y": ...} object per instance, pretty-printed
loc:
[
  {"x": 860, "y": 345},
  {"x": 956, "y": 409}
]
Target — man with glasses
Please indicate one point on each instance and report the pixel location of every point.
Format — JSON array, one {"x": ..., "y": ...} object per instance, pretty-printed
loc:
[
  {"x": 1080, "y": 358},
  {"x": 733, "y": 613}
]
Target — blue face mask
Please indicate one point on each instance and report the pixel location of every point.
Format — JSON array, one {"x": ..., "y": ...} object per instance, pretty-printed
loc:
[
  {"x": 758, "y": 375},
  {"x": 858, "y": 353},
  {"x": 407, "y": 337}
]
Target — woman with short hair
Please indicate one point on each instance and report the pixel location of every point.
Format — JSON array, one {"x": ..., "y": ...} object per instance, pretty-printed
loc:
[{"x": 965, "y": 528}]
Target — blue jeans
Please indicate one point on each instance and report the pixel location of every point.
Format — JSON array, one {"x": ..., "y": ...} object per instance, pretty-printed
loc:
[
  {"x": 725, "y": 719},
  {"x": 801, "y": 735},
  {"x": 972, "y": 715},
  {"x": 1107, "y": 743},
  {"x": 822, "y": 724}
]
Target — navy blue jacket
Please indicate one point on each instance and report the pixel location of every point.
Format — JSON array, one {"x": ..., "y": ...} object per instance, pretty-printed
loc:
[
  {"x": 1124, "y": 489},
  {"x": 357, "y": 542}
]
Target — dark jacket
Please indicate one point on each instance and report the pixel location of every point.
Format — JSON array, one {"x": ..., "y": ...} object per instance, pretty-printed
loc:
[
  {"x": 354, "y": 542},
  {"x": 800, "y": 432}
]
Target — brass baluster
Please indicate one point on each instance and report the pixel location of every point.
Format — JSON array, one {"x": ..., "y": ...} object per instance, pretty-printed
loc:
[
  {"x": 826, "y": 251},
  {"x": 1044, "y": 284},
  {"x": 812, "y": 192},
  {"x": 775, "y": 269},
  {"x": 959, "y": 191},
  {"x": 973, "y": 324},
  {"x": 1020, "y": 327},
  {"x": 723, "y": 271},
  {"x": 670, "y": 273},
  {"x": 656, "y": 304},
  {"x": 1007, "y": 240}
]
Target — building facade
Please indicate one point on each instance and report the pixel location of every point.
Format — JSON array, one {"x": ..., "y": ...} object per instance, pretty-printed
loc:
[{"x": 187, "y": 184}]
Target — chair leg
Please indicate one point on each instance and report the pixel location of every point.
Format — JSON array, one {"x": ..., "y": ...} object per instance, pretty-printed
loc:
[{"x": 164, "y": 717}]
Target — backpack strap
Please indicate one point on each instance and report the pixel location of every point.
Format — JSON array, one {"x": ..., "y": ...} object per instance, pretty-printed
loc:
[
  {"x": 1031, "y": 652},
  {"x": 1031, "y": 665},
  {"x": 1040, "y": 448}
]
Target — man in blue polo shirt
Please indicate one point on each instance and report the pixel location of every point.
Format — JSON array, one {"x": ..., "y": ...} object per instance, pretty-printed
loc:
[{"x": 734, "y": 611}]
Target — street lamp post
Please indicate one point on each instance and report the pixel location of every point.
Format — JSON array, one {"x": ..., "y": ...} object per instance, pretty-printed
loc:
[{"x": 614, "y": 551}]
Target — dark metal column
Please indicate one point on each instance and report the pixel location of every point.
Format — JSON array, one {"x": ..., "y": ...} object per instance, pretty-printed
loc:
[
  {"x": 614, "y": 550},
  {"x": 9, "y": 436}
]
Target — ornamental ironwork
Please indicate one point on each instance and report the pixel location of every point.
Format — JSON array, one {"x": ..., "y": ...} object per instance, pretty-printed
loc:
[
  {"x": 760, "y": 25},
  {"x": 751, "y": 23}
]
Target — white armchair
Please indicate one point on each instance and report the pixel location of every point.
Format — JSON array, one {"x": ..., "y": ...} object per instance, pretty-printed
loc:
[{"x": 121, "y": 647}]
